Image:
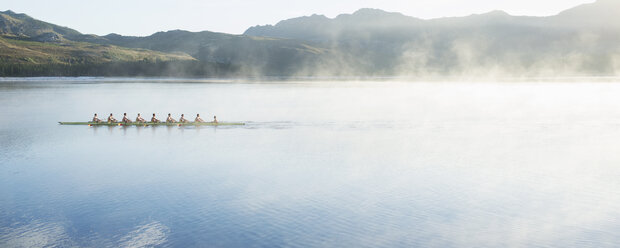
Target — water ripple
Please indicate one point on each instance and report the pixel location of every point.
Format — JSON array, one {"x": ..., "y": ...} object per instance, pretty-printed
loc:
[
  {"x": 36, "y": 234},
  {"x": 147, "y": 235}
]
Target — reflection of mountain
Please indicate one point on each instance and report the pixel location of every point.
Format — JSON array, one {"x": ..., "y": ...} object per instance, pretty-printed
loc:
[{"x": 581, "y": 40}]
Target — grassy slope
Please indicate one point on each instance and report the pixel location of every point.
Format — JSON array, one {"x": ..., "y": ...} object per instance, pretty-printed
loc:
[
  {"x": 15, "y": 51},
  {"x": 22, "y": 25},
  {"x": 28, "y": 41},
  {"x": 256, "y": 56}
]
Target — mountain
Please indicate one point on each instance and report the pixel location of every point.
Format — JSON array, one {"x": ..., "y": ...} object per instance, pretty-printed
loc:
[
  {"x": 239, "y": 54},
  {"x": 24, "y": 26},
  {"x": 254, "y": 55},
  {"x": 584, "y": 40},
  {"x": 30, "y": 47},
  {"x": 602, "y": 14},
  {"x": 24, "y": 40},
  {"x": 32, "y": 58},
  {"x": 319, "y": 28}
]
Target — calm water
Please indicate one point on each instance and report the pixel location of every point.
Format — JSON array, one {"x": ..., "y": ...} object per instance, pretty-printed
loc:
[{"x": 319, "y": 164}]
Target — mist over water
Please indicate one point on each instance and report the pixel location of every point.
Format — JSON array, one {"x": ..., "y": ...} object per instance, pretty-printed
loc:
[{"x": 319, "y": 164}]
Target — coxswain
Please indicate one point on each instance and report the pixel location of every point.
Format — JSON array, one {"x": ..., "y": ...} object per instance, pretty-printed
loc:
[
  {"x": 111, "y": 119},
  {"x": 140, "y": 119},
  {"x": 170, "y": 119},
  {"x": 198, "y": 119},
  {"x": 96, "y": 119},
  {"x": 153, "y": 119},
  {"x": 182, "y": 119},
  {"x": 125, "y": 119}
]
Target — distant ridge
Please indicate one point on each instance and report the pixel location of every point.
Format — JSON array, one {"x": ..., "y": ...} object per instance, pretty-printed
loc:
[
  {"x": 600, "y": 14},
  {"x": 584, "y": 40}
]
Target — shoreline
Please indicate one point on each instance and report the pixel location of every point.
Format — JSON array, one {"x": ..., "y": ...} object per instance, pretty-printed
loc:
[{"x": 314, "y": 79}]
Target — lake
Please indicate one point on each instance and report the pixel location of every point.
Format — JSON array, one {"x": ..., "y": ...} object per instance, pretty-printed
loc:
[{"x": 318, "y": 164}]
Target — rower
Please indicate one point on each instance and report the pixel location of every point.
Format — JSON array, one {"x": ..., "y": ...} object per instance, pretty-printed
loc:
[
  {"x": 111, "y": 119},
  {"x": 182, "y": 119},
  {"x": 170, "y": 119},
  {"x": 125, "y": 119},
  {"x": 96, "y": 119},
  {"x": 198, "y": 119},
  {"x": 154, "y": 120},
  {"x": 140, "y": 119},
  {"x": 214, "y": 119}
]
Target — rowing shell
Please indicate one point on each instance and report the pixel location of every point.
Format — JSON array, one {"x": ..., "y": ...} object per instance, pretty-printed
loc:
[{"x": 154, "y": 123}]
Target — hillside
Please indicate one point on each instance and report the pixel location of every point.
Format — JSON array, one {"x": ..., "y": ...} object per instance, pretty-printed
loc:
[
  {"x": 17, "y": 51},
  {"x": 255, "y": 55},
  {"x": 30, "y": 41},
  {"x": 29, "y": 47},
  {"x": 26, "y": 27},
  {"x": 602, "y": 14},
  {"x": 584, "y": 40}
]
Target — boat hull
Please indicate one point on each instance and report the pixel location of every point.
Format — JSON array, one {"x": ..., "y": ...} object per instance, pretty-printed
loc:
[{"x": 153, "y": 124}]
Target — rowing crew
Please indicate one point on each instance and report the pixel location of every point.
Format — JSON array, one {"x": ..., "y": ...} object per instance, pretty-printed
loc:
[{"x": 154, "y": 119}]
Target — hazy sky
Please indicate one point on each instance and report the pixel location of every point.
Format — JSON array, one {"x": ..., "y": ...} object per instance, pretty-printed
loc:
[{"x": 144, "y": 17}]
